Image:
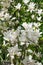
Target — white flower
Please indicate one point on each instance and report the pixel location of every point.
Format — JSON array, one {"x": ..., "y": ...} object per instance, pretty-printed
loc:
[
  {"x": 1, "y": 14},
  {"x": 30, "y": 51},
  {"x": 38, "y": 54},
  {"x": 7, "y": 54},
  {"x": 28, "y": 60},
  {"x": 27, "y": 44},
  {"x": 12, "y": 64},
  {"x": 25, "y": 25},
  {"x": 25, "y": 61},
  {"x": 18, "y": 6},
  {"x": 5, "y": 3},
  {"x": 31, "y": 33},
  {"x": 22, "y": 43},
  {"x": 7, "y": 16},
  {"x": 31, "y": 6},
  {"x": 13, "y": 18},
  {"x": 39, "y": 12},
  {"x": 38, "y": 63},
  {"x": 13, "y": 50},
  {"x": 32, "y": 16},
  {"x": 22, "y": 37},
  {"x": 12, "y": 57},
  {"x": 10, "y": 35},
  {"x": 4, "y": 15},
  {"x": 39, "y": 18},
  {"x": 19, "y": 54},
  {"x": 37, "y": 24},
  {"x": 26, "y": 1}
]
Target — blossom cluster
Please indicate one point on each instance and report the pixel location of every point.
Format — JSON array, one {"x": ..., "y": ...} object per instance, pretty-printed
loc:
[{"x": 21, "y": 29}]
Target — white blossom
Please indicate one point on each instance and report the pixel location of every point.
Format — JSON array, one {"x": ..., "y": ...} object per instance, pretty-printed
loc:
[
  {"x": 7, "y": 54},
  {"x": 26, "y": 1},
  {"x": 12, "y": 64},
  {"x": 5, "y": 3},
  {"x": 28, "y": 60},
  {"x": 18, "y": 54},
  {"x": 39, "y": 18},
  {"x": 1, "y": 14},
  {"x": 7, "y": 16},
  {"x": 13, "y": 18},
  {"x": 32, "y": 16},
  {"x": 27, "y": 44},
  {"x": 25, "y": 25},
  {"x": 38, "y": 54},
  {"x": 38, "y": 63},
  {"x": 18, "y": 6},
  {"x": 13, "y": 50},
  {"x": 22, "y": 37},
  {"x": 4, "y": 15},
  {"x": 39, "y": 11},
  {"x": 10, "y": 35},
  {"x": 22, "y": 43},
  {"x": 37, "y": 24},
  {"x": 31, "y": 33},
  {"x": 31, "y": 6},
  {"x": 30, "y": 51},
  {"x": 21, "y": 33}
]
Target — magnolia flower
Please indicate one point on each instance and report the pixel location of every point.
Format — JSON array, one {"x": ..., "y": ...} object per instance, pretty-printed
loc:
[
  {"x": 18, "y": 6},
  {"x": 26, "y": 1},
  {"x": 31, "y": 6}
]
